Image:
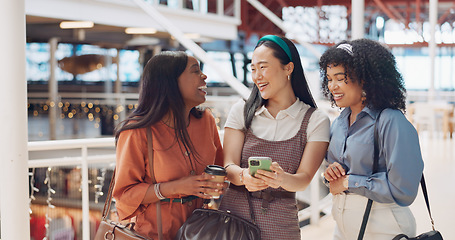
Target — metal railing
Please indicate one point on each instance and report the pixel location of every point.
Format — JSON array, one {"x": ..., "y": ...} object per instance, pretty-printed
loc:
[{"x": 83, "y": 159}]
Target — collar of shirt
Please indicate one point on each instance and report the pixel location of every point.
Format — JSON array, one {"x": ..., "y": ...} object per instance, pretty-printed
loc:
[
  {"x": 291, "y": 111},
  {"x": 365, "y": 111}
]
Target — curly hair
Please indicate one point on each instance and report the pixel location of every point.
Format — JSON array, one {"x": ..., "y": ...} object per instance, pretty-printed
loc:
[{"x": 371, "y": 65}]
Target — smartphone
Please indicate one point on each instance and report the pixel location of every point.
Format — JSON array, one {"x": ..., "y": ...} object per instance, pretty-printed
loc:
[{"x": 255, "y": 163}]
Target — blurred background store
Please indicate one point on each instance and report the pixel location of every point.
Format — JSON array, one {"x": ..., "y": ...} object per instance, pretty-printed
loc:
[{"x": 84, "y": 61}]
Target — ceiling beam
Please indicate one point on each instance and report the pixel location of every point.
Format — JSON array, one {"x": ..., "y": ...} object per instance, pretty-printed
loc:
[{"x": 442, "y": 19}]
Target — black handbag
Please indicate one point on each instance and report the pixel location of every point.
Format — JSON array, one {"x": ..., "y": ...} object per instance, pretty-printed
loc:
[
  {"x": 208, "y": 224},
  {"x": 431, "y": 235}
]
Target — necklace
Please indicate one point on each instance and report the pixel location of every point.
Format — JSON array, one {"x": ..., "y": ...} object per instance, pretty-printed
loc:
[{"x": 188, "y": 154}]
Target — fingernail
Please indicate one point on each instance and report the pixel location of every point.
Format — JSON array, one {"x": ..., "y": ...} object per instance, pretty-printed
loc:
[{"x": 218, "y": 185}]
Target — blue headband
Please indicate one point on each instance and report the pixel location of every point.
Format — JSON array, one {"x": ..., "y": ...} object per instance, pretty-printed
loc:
[{"x": 280, "y": 43}]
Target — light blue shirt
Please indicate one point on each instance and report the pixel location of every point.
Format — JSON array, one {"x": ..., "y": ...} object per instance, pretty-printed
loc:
[{"x": 400, "y": 161}]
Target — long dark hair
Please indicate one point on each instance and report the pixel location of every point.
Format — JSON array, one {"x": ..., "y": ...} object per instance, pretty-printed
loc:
[
  {"x": 159, "y": 94},
  {"x": 371, "y": 65},
  {"x": 298, "y": 80}
]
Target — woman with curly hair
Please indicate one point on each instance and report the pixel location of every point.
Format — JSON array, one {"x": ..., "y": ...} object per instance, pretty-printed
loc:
[{"x": 361, "y": 76}]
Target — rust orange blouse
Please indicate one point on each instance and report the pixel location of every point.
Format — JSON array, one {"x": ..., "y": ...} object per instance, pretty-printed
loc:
[{"x": 133, "y": 175}]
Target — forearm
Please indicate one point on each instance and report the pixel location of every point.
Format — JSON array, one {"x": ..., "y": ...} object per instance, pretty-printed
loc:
[
  {"x": 296, "y": 182},
  {"x": 379, "y": 188}
]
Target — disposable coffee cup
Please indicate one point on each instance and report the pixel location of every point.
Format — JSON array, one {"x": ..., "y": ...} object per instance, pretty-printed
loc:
[{"x": 219, "y": 173}]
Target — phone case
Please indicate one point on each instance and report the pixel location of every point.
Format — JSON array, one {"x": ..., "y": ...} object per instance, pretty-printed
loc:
[{"x": 255, "y": 163}]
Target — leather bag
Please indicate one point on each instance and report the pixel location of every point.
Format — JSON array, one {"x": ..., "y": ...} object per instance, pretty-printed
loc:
[
  {"x": 110, "y": 230},
  {"x": 209, "y": 224},
  {"x": 431, "y": 235}
]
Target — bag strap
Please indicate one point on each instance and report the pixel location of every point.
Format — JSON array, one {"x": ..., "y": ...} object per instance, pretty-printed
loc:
[
  {"x": 107, "y": 203},
  {"x": 366, "y": 215},
  {"x": 250, "y": 206},
  {"x": 370, "y": 202},
  {"x": 152, "y": 175},
  {"x": 427, "y": 201}
]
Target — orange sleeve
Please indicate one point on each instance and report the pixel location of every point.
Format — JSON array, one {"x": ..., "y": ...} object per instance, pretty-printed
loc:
[{"x": 130, "y": 187}]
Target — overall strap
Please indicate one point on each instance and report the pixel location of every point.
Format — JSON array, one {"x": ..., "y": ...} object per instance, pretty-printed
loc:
[
  {"x": 306, "y": 119},
  {"x": 152, "y": 175}
]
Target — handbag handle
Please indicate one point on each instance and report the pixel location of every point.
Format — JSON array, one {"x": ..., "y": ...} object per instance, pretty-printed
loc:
[
  {"x": 375, "y": 166},
  {"x": 107, "y": 203}
]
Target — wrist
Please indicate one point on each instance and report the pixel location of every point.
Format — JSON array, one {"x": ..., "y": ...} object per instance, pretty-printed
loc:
[
  {"x": 241, "y": 176},
  {"x": 346, "y": 182},
  {"x": 158, "y": 193},
  {"x": 325, "y": 181},
  {"x": 228, "y": 165}
]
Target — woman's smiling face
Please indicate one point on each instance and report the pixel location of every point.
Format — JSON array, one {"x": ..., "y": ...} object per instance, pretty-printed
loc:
[
  {"x": 269, "y": 75},
  {"x": 346, "y": 93},
  {"x": 192, "y": 84}
]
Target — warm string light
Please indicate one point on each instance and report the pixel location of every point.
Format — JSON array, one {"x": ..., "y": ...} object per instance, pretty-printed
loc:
[
  {"x": 50, "y": 191},
  {"x": 91, "y": 110},
  {"x": 33, "y": 189},
  {"x": 99, "y": 187}
]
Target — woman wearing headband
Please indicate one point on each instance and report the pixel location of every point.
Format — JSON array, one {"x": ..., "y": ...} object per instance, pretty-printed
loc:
[
  {"x": 361, "y": 76},
  {"x": 280, "y": 121}
]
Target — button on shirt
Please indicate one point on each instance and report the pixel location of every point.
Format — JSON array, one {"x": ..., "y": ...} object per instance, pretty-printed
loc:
[
  {"x": 285, "y": 125},
  {"x": 400, "y": 160}
]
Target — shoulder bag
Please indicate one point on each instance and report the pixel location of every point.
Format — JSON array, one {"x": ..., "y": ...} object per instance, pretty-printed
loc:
[
  {"x": 431, "y": 235},
  {"x": 108, "y": 229}
]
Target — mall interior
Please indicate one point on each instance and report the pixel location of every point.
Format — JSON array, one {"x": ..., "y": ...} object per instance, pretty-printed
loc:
[{"x": 72, "y": 70}]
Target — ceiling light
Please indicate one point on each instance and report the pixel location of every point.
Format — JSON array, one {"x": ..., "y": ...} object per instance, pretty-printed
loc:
[
  {"x": 142, "y": 41},
  {"x": 132, "y": 30},
  {"x": 76, "y": 24}
]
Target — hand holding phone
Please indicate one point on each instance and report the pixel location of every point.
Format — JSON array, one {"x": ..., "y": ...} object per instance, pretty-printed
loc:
[{"x": 255, "y": 163}]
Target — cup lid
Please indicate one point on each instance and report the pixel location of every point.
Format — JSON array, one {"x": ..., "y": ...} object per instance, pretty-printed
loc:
[{"x": 215, "y": 170}]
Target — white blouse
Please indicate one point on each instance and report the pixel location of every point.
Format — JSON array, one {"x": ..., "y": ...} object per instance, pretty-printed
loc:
[{"x": 286, "y": 124}]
